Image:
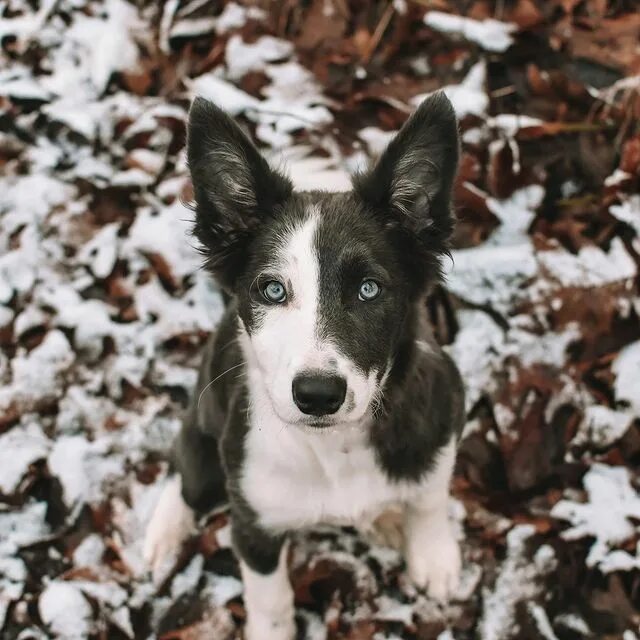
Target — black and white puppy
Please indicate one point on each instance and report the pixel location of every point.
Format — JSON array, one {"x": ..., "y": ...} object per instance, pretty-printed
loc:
[{"x": 323, "y": 397}]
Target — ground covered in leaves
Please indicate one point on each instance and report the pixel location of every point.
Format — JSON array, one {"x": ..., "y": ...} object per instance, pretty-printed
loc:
[{"x": 103, "y": 307}]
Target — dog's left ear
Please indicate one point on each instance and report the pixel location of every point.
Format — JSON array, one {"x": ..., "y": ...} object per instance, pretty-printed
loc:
[
  {"x": 414, "y": 176},
  {"x": 234, "y": 187}
]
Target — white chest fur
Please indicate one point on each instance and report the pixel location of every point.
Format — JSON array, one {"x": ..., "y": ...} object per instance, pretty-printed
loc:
[{"x": 294, "y": 478}]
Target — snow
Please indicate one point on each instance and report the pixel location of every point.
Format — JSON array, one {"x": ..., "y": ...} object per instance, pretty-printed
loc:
[
  {"x": 89, "y": 552},
  {"x": 22, "y": 527},
  {"x": 591, "y": 267},
  {"x": 469, "y": 97},
  {"x": 36, "y": 376},
  {"x": 542, "y": 621},
  {"x": 602, "y": 426},
  {"x": 608, "y": 515},
  {"x": 65, "y": 611},
  {"x": 626, "y": 368},
  {"x": 491, "y": 35},
  {"x": 242, "y": 58},
  {"x": 13, "y": 575},
  {"x": 628, "y": 211},
  {"x": 376, "y": 139},
  {"x": 495, "y": 276},
  {"x": 234, "y": 16},
  {"x": 20, "y": 447},
  {"x": 101, "y": 252},
  {"x": 104, "y": 307},
  {"x": 518, "y": 580},
  {"x": 83, "y": 467},
  {"x": 224, "y": 94},
  {"x": 516, "y": 214}
]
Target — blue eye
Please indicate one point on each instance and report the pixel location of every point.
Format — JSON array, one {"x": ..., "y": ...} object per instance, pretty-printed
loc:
[
  {"x": 274, "y": 291},
  {"x": 369, "y": 290}
]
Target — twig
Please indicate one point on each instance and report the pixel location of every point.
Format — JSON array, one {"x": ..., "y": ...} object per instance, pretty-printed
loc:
[{"x": 374, "y": 41}]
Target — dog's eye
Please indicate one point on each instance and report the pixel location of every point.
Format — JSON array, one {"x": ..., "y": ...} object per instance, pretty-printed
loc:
[
  {"x": 274, "y": 291},
  {"x": 369, "y": 290}
]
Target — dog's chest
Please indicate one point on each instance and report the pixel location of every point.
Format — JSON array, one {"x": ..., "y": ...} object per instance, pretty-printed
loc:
[{"x": 297, "y": 479}]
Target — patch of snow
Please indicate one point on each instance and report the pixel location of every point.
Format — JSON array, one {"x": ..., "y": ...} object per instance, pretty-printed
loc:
[
  {"x": 89, "y": 552},
  {"x": 101, "y": 252},
  {"x": 165, "y": 232},
  {"x": 187, "y": 580},
  {"x": 621, "y": 561},
  {"x": 313, "y": 172},
  {"x": 65, "y": 611},
  {"x": 491, "y": 35},
  {"x": 474, "y": 350},
  {"x": 510, "y": 123},
  {"x": 83, "y": 467},
  {"x": 389, "y": 609},
  {"x": 242, "y": 57},
  {"x": 494, "y": 276},
  {"x": 221, "y": 589},
  {"x": 516, "y": 214},
  {"x": 20, "y": 447},
  {"x": 234, "y": 16},
  {"x": 541, "y": 619},
  {"x": 469, "y": 97},
  {"x": 616, "y": 178},
  {"x": 22, "y": 527},
  {"x": 592, "y": 267},
  {"x": 233, "y": 100},
  {"x": 376, "y": 139},
  {"x": 30, "y": 318},
  {"x": 37, "y": 375},
  {"x": 626, "y": 367},
  {"x": 519, "y": 580},
  {"x": 13, "y": 575},
  {"x": 607, "y": 516},
  {"x": 193, "y": 27},
  {"x": 601, "y": 426}
]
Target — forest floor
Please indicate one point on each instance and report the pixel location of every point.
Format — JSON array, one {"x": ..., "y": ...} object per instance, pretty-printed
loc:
[{"x": 103, "y": 306}]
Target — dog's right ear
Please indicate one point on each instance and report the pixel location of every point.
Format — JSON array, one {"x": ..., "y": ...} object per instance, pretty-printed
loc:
[{"x": 234, "y": 189}]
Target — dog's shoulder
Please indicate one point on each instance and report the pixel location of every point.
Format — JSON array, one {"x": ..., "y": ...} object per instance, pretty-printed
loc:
[{"x": 424, "y": 412}]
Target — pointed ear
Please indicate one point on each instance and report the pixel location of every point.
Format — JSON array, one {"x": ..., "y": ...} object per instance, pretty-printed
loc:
[
  {"x": 234, "y": 188},
  {"x": 413, "y": 178}
]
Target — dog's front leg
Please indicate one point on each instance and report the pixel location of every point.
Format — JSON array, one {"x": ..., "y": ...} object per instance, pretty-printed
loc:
[
  {"x": 432, "y": 552},
  {"x": 268, "y": 596}
]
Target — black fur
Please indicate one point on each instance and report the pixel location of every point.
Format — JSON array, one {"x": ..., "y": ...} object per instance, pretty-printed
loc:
[{"x": 395, "y": 225}]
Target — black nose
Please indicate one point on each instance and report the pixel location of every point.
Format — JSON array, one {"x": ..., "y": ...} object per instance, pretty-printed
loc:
[{"x": 318, "y": 394}]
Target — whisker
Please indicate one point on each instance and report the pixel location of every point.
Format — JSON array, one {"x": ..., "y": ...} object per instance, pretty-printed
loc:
[{"x": 216, "y": 379}]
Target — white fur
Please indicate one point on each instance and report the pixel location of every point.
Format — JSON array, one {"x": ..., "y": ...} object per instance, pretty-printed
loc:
[
  {"x": 296, "y": 477},
  {"x": 287, "y": 343},
  {"x": 268, "y": 600},
  {"x": 171, "y": 524},
  {"x": 431, "y": 550}
]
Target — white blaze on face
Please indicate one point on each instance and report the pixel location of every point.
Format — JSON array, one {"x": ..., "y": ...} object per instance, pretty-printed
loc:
[{"x": 285, "y": 342}]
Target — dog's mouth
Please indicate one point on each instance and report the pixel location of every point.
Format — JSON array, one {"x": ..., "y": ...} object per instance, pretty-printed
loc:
[{"x": 321, "y": 422}]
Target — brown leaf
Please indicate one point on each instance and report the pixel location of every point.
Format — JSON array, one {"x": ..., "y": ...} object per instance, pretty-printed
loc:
[
  {"x": 216, "y": 624},
  {"x": 630, "y": 160}
]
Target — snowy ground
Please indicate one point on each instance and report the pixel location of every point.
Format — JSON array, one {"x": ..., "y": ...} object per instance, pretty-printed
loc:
[{"x": 103, "y": 307}]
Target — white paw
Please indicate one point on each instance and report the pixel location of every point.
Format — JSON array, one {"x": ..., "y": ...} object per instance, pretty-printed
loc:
[
  {"x": 434, "y": 565},
  {"x": 170, "y": 526},
  {"x": 262, "y": 627}
]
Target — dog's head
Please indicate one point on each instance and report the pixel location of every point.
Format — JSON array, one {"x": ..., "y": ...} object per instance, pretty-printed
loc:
[{"x": 327, "y": 283}]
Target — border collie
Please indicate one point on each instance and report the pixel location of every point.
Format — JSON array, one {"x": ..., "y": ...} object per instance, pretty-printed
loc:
[{"x": 322, "y": 397}]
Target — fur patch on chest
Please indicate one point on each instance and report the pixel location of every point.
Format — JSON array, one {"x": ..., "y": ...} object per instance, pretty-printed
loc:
[{"x": 293, "y": 478}]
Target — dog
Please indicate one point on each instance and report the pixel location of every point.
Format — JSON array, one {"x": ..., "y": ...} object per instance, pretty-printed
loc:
[{"x": 323, "y": 396}]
